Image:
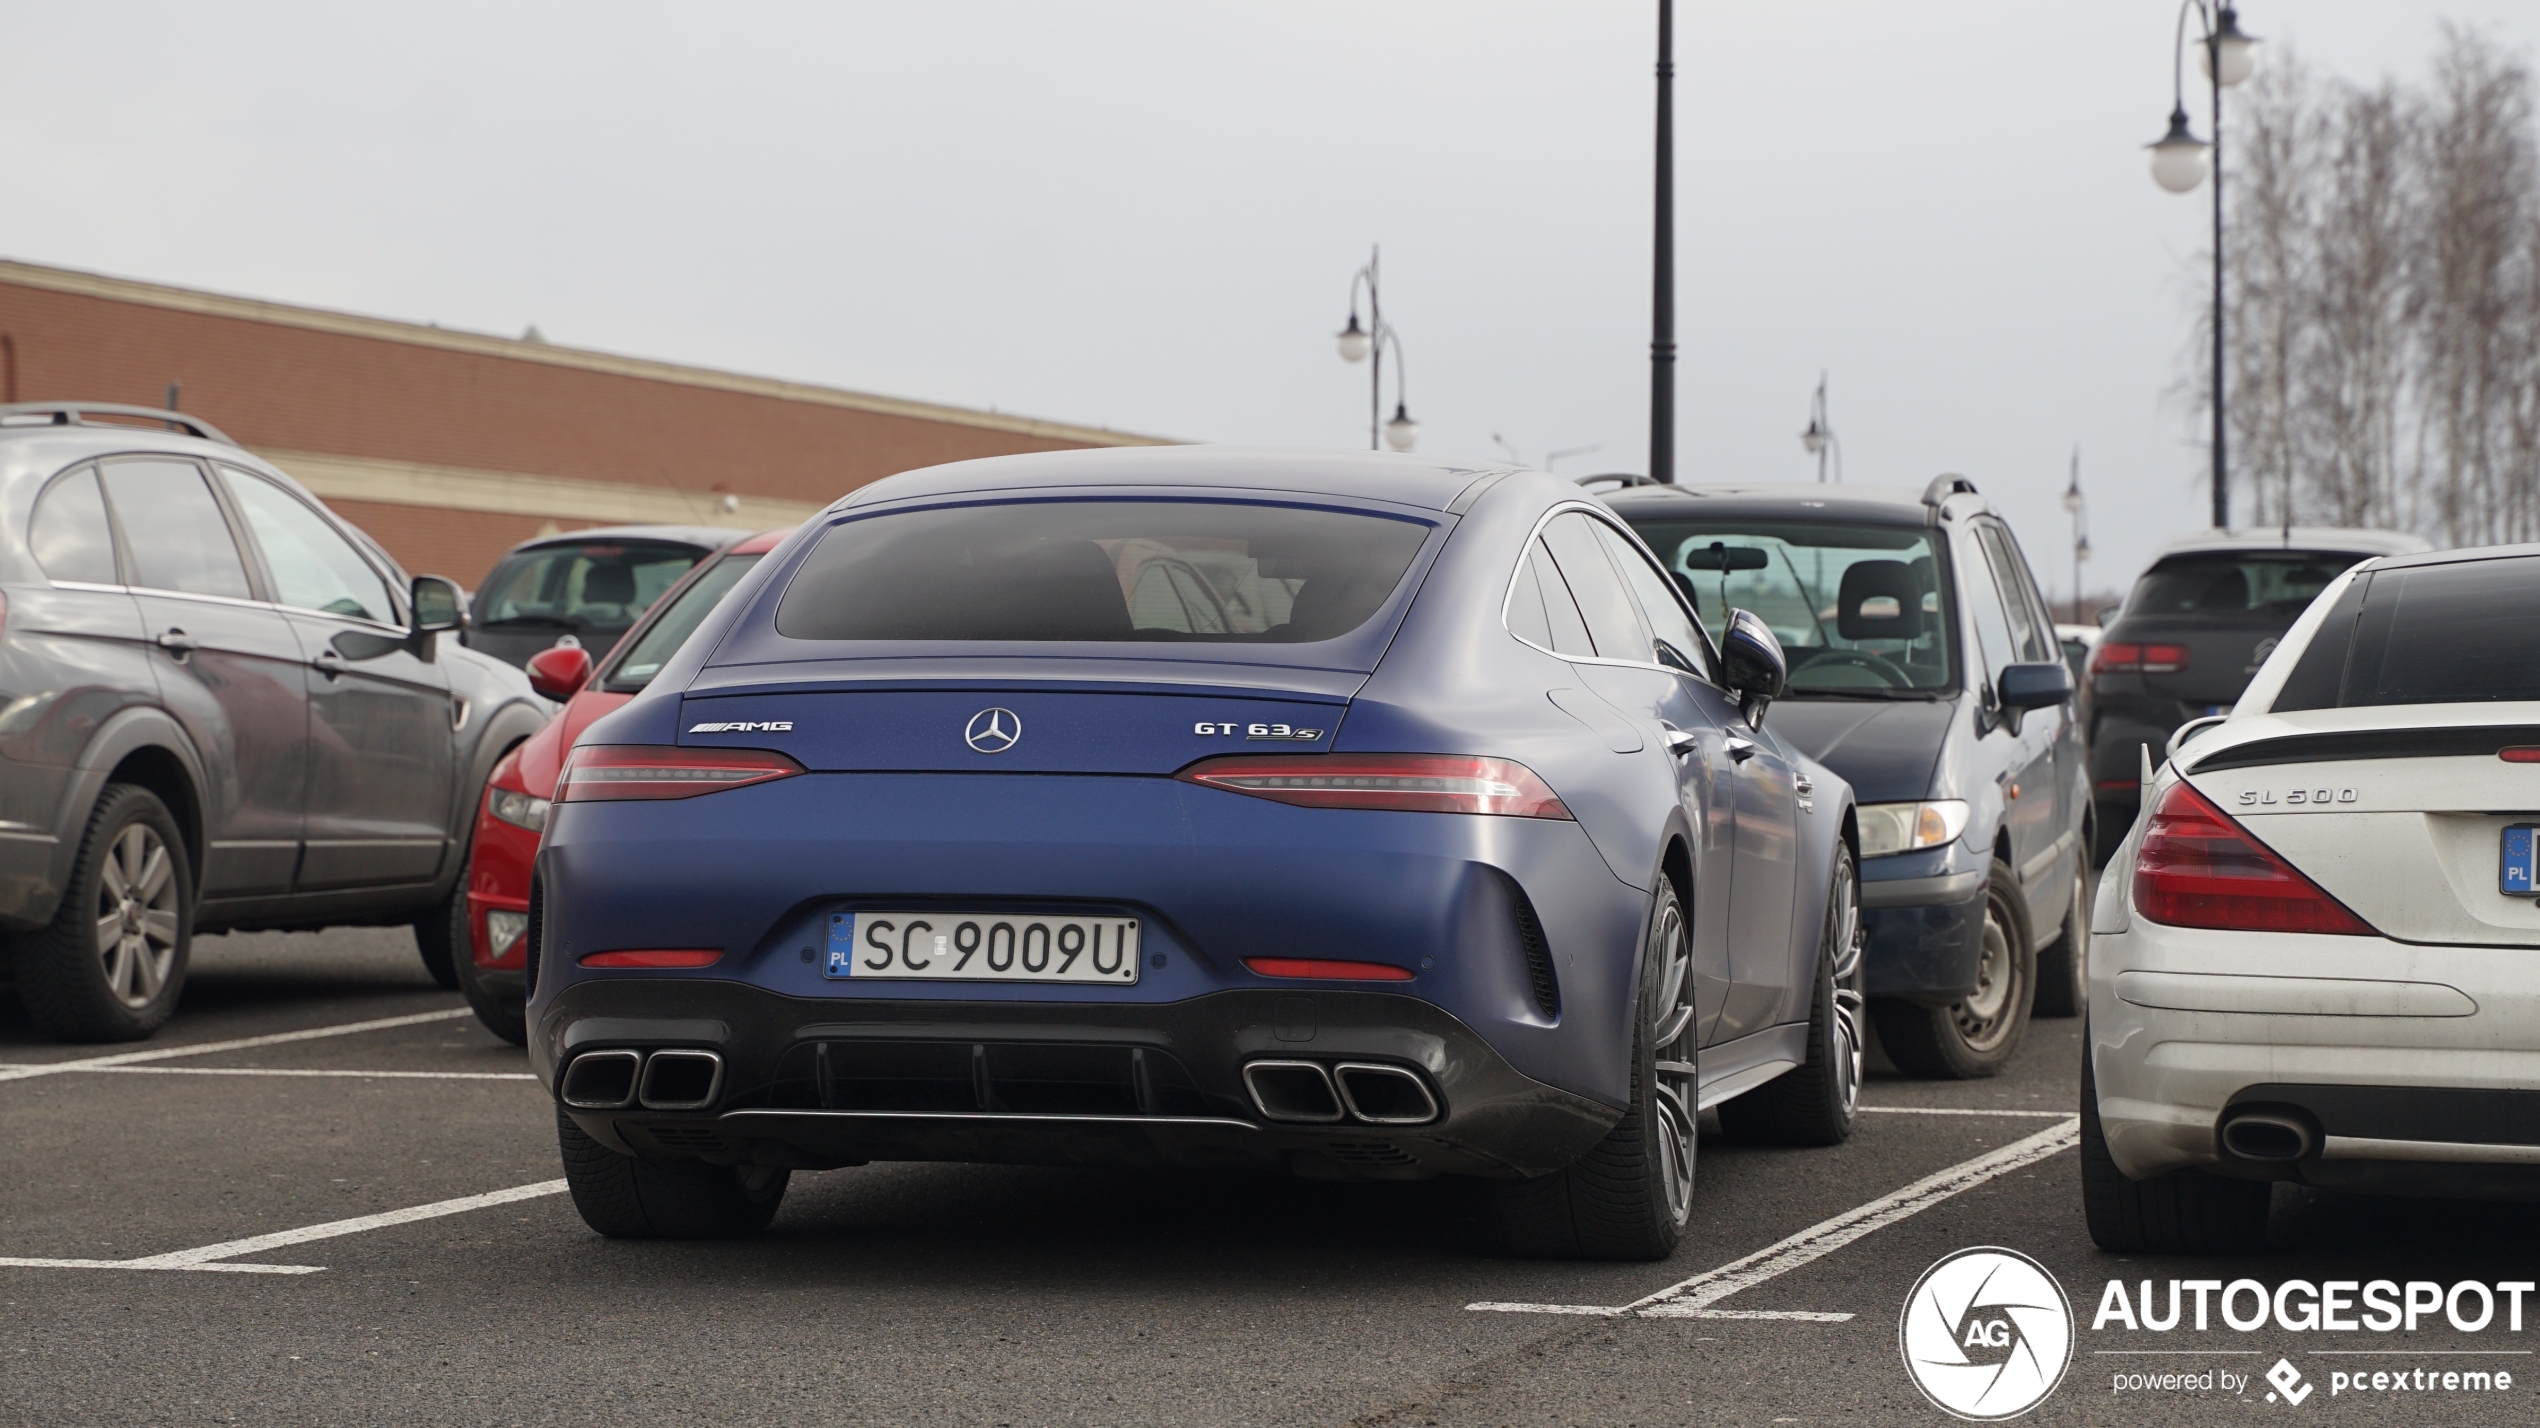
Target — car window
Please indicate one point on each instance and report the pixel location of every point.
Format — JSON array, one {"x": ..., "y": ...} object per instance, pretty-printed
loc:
[
  {"x": 1613, "y": 617},
  {"x": 1993, "y": 623},
  {"x": 2010, "y": 574},
  {"x": 70, "y": 537},
  {"x": 649, "y": 651},
  {"x": 580, "y": 586},
  {"x": 1569, "y": 628},
  {"x": 1862, "y": 611},
  {"x": 1235, "y": 571},
  {"x": 2447, "y": 634},
  {"x": 1679, "y": 645},
  {"x": 313, "y": 567},
  {"x": 2269, "y": 588},
  {"x": 178, "y": 537},
  {"x": 1525, "y": 614}
]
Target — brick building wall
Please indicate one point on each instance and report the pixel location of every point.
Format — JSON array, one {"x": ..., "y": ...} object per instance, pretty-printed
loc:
[{"x": 451, "y": 447}]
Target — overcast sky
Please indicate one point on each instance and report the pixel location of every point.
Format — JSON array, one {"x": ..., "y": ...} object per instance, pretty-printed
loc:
[{"x": 1145, "y": 215}]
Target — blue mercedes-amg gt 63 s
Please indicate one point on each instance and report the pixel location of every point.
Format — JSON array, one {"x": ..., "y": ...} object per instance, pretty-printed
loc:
[{"x": 1356, "y": 815}]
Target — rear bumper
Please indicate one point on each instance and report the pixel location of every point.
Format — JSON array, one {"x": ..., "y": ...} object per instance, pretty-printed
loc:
[
  {"x": 2411, "y": 1066},
  {"x": 820, "y": 1082}
]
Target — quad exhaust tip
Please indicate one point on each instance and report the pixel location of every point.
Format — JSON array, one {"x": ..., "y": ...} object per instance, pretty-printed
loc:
[
  {"x": 601, "y": 1080},
  {"x": 1385, "y": 1095},
  {"x": 2266, "y": 1135},
  {"x": 668, "y": 1080},
  {"x": 680, "y": 1080},
  {"x": 1308, "y": 1093}
]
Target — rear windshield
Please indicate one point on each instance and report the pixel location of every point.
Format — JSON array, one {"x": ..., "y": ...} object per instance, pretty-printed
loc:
[
  {"x": 1858, "y": 609},
  {"x": 602, "y": 585},
  {"x": 2434, "y": 634},
  {"x": 2238, "y": 588},
  {"x": 1100, "y": 571},
  {"x": 644, "y": 657}
]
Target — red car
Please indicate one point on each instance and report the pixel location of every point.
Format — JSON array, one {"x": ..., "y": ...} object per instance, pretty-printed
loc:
[{"x": 515, "y": 808}]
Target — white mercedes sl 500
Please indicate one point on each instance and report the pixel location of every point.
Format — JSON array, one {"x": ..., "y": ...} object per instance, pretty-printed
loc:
[{"x": 2316, "y": 957}]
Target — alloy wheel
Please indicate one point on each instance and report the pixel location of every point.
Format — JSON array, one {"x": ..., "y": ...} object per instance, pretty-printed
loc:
[
  {"x": 136, "y": 915},
  {"x": 1849, "y": 938},
  {"x": 1671, "y": 1038}
]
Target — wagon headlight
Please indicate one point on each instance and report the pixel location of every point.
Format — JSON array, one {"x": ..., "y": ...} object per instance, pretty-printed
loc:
[
  {"x": 1907, "y": 827},
  {"x": 519, "y": 809}
]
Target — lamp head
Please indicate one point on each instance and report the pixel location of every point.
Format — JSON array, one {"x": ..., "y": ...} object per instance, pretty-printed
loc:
[
  {"x": 1813, "y": 440},
  {"x": 2178, "y": 159},
  {"x": 2239, "y": 52},
  {"x": 1401, "y": 433},
  {"x": 1353, "y": 341}
]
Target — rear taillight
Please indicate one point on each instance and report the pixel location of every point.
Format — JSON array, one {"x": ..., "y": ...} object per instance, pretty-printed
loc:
[
  {"x": 2197, "y": 867},
  {"x": 605, "y": 772},
  {"x": 2138, "y": 659},
  {"x": 1403, "y": 783}
]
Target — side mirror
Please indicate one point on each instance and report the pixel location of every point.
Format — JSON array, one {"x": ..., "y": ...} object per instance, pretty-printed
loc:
[
  {"x": 1752, "y": 664},
  {"x": 559, "y": 673},
  {"x": 2108, "y": 615},
  {"x": 2035, "y": 686},
  {"x": 437, "y": 604}
]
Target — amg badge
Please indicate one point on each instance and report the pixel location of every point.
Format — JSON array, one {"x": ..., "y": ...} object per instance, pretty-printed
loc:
[{"x": 744, "y": 726}]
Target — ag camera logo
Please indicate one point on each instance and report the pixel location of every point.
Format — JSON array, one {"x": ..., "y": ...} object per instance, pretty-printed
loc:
[{"x": 1986, "y": 1334}]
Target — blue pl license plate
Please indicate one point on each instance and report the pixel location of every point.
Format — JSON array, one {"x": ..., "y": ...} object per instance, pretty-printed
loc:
[{"x": 2521, "y": 876}]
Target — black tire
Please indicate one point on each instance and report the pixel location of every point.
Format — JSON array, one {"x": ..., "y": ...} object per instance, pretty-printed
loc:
[
  {"x": 1629, "y": 1196},
  {"x": 1815, "y": 1102},
  {"x": 441, "y": 933},
  {"x": 76, "y": 983},
  {"x": 1976, "y": 1036},
  {"x": 628, "y": 1198},
  {"x": 2063, "y": 969},
  {"x": 503, "y": 1013},
  {"x": 2182, "y": 1212}
]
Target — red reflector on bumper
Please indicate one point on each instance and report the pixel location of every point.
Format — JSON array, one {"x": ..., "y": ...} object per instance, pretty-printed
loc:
[
  {"x": 656, "y": 957},
  {"x": 2520, "y": 754},
  {"x": 1327, "y": 970}
]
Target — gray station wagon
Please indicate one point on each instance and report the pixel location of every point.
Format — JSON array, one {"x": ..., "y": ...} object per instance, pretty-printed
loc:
[{"x": 221, "y": 708}]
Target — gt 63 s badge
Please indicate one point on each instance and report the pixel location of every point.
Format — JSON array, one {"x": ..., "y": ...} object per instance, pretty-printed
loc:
[{"x": 1986, "y": 1334}]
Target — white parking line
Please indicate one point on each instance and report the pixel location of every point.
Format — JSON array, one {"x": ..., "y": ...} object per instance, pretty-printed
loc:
[
  {"x": 1693, "y": 1298},
  {"x": 285, "y": 1071},
  {"x": 1960, "y": 1111},
  {"x": 164, "y": 1053},
  {"x": 207, "y": 1257}
]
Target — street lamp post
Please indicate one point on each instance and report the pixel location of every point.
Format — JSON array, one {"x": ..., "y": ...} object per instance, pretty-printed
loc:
[
  {"x": 1359, "y": 344},
  {"x": 1662, "y": 275},
  {"x": 1819, "y": 438},
  {"x": 2079, "y": 505},
  {"x": 2179, "y": 160}
]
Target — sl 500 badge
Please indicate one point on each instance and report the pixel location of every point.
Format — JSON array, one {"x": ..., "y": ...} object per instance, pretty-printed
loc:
[{"x": 2299, "y": 797}]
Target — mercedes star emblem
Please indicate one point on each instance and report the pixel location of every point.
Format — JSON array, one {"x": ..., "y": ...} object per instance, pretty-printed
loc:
[{"x": 993, "y": 731}]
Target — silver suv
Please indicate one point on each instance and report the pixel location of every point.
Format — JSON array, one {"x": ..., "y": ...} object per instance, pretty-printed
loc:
[{"x": 221, "y": 708}]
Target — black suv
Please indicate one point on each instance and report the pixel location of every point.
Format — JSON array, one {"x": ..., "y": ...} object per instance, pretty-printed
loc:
[
  {"x": 590, "y": 584},
  {"x": 1924, "y": 669},
  {"x": 220, "y": 708},
  {"x": 2192, "y": 632}
]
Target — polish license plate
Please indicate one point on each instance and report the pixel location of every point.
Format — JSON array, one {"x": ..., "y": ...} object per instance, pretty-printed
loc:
[
  {"x": 2521, "y": 874},
  {"x": 982, "y": 947}
]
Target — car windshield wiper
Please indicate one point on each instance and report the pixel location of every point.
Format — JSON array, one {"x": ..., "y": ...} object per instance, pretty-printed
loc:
[
  {"x": 1878, "y": 694},
  {"x": 540, "y": 622}
]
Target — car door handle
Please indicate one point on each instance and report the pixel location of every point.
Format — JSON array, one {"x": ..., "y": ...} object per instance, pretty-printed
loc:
[
  {"x": 1680, "y": 742},
  {"x": 1743, "y": 749},
  {"x": 328, "y": 663},
  {"x": 177, "y": 642}
]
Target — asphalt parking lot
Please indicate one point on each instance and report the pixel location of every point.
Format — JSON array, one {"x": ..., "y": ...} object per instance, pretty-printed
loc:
[{"x": 324, "y": 1195}]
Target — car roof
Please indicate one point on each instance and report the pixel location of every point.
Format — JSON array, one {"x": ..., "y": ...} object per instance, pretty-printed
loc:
[
  {"x": 1415, "y": 481},
  {"x": 2343, "y": 539},
  {"x": 702, "y": 537},
  {"x": 761, "y": 543},
  {"x": 1787, "y": 500},
  {"x": 2414, "y": 559}
]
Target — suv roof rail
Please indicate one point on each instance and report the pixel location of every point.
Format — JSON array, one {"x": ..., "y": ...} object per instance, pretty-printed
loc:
[
  {"x": 1946, "y": 485},
  {"x": 76, "y": 414},
  {"x": 1623, "y": 479}
]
